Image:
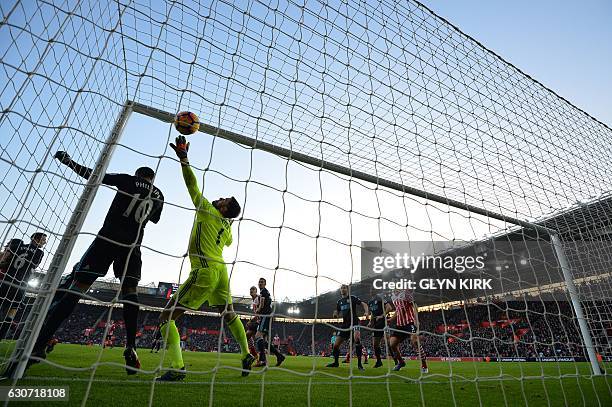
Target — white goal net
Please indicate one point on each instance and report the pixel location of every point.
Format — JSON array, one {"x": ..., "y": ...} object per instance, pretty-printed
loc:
[{"x": 347, "y": 131}]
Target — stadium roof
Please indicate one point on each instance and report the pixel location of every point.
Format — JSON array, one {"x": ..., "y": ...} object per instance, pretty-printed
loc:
[{"x": 522, "y": 261}]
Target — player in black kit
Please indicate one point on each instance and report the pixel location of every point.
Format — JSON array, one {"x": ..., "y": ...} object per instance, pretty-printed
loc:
[
  {"x": 347, "y": 308},
  {"x": 136, "y": 202},
  {"x": 265, "y": 323},
  {"x": 157, "y": 341},
  {"x": 16, "y": 263},
  {"x": 376, "y": 306}
]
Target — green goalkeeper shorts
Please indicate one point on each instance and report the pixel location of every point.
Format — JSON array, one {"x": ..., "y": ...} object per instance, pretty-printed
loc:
[{"x": 209, "y": 284}]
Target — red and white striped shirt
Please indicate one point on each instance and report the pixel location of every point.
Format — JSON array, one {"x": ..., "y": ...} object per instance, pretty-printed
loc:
[
  {"x": 255, "y": 303},
  {"x": 404, "y": 307}
]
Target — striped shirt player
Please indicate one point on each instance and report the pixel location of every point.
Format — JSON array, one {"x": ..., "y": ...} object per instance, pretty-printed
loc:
[
  {"x": 403, "y": 303},
  {"x": 255, "y": 300},
  {"x": 255, "y": 303},
  {"x": 406, "y": 324},
  {"x": 253, "y": 324}
]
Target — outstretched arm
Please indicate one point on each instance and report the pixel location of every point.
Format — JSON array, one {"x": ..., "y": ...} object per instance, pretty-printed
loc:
[
  {"x": 192, "y": 184},
  {"x": 80, "y": 170},
  {"x": 181, "y": 149},
  {"x": 85, "y": 172}
]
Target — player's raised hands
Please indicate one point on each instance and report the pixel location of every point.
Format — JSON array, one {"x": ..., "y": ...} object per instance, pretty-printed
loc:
[
  {"x": 63, "y": 157},
  {"x": 181, "y": 148}
]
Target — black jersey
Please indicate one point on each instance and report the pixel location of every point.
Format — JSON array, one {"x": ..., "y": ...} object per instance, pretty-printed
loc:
[
  {"x": 24, "y": 259},
  {"x": 136, "y": 202},
  {"x": 376, "y": 306},
  {"x": 347, "y": 307},
  {"x": 266, "y": 300}
]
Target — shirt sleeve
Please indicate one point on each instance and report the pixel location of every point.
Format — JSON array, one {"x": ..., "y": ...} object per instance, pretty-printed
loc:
[
  {"x": 338, "y": 306},
  {"x": 192, "y": 186},
  {"x": 157, "y": 214},
  {"x": 80, "y": 170},
  {"x": 117, "y": 180},
  {"x": 14, "y": 244},
  {"x": 229, "y": 239}
]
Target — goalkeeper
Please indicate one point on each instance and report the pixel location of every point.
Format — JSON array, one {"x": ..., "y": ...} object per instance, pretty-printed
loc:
[{"x": 208, "y": 280}]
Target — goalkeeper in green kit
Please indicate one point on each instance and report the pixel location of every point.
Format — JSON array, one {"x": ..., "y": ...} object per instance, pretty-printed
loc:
[{"x": 208, "y": 280}]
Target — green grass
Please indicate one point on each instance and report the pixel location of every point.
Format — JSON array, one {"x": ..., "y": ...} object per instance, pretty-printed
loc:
[{"x": 498, "y": 384}]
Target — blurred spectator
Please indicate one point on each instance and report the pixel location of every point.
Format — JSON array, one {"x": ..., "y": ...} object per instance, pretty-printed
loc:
[{"x": 501, "y": 329}]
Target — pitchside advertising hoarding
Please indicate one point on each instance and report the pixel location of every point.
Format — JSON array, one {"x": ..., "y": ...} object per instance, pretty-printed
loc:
[{"x": 505, "y": 359}]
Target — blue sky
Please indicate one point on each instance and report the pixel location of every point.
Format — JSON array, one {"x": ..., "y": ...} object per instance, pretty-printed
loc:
[
  {"x": 274, "y": 93},
  {"x": 570, "y": 61},
  {"x": 566, "y": 45}
]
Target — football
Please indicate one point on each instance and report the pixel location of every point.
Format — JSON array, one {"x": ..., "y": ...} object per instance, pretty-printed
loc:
[{"x": 186, "y": 123}]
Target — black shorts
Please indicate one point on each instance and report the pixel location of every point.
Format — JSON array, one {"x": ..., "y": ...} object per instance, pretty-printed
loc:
[
  {"x": 11, "y": 296},
  {"x": 404, "y": 331},
  {"x": 345, "y": 333},
  {"x": 379, "y": 327},
  {"x": 101, "y": 254},
  {"x": 264, "y": 325}
]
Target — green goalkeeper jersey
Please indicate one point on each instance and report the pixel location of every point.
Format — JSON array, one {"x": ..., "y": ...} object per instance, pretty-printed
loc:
[{"x": 211, "y": 232}]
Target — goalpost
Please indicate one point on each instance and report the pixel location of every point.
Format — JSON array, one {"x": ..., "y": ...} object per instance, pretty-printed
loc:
[
  {"x": 317, "y": 163},
  {"x": 446, "y": 139},
  {"x": 36, "y": 317},
  {"x": 40, "y": 307}
]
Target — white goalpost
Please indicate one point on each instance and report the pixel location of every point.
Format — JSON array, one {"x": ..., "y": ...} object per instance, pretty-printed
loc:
[
  {"x": 38, "y": 312},
  {"x": 346, "y": 130},
  {"x": 36, "y": 316}
]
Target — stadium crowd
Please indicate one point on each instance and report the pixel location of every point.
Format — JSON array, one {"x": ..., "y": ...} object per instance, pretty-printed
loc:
[{"x": 509, "y": 329}]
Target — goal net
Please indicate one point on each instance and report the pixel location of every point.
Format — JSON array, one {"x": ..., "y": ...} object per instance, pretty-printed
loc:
[{"x": 357, "y": 137}]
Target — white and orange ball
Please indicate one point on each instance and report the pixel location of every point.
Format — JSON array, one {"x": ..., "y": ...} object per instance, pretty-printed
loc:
[{"x": 186, "y": 123}]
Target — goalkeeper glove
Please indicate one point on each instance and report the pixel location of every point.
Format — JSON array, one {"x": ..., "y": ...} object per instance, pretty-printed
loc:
[
  {"x": 63, "y": 157},
  {"x": 181, "y": 148}
]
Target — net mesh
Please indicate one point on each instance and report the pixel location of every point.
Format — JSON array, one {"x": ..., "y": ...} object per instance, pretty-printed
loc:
[
  {"x": 55, "y": 95},
  {"x": 388, "y": 89}
]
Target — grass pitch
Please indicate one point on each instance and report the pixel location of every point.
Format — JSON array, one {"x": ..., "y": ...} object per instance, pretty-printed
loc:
[{"x": 96, "y": 376}]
